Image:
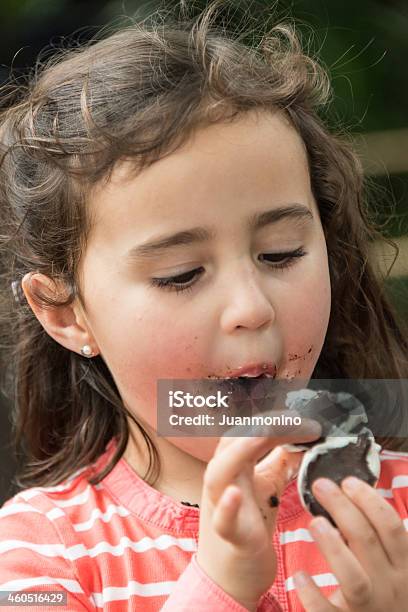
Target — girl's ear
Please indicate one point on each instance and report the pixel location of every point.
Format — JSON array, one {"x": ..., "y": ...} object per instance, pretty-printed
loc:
[{"x": 66, "y": 324}]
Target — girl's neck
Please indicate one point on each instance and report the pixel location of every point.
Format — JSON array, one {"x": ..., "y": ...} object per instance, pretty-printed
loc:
[{"x": 181, "y": 474}]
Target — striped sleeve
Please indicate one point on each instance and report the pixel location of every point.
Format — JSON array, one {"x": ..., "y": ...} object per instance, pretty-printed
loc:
[
  {"x": 194, "y": 590},
  {"x": 393, "y": 485},
  {"x": 33, "y": 557}
]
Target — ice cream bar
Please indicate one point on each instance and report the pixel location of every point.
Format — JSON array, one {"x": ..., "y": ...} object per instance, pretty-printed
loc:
[{"x": 346, "y": 447}]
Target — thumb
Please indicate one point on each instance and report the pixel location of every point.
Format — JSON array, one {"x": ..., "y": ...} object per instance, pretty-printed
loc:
[
  {"x": 272, "y": 474},
  {"x": 278, "y": 468},
  {"x": 337, "y": 599}
]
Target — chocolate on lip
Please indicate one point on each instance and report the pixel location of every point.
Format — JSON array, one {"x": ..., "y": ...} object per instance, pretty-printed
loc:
[
  {"x": 253, "y": 370},
  {"x": 251, "y": 387}
]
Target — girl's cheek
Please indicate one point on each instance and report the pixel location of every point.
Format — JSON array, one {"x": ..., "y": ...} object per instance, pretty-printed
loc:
[
  {"x": 155, "y": 350},
  {"x": 305, "y": 328}
]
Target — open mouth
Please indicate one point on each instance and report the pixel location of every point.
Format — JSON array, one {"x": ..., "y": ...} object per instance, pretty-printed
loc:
[{"x": 259, "y": 387}]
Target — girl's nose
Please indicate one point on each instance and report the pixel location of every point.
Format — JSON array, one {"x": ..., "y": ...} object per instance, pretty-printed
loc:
[{"x": 247, "y": 304}]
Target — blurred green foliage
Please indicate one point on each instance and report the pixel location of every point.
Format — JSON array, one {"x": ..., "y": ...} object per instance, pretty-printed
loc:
[
  {"x": 391, "y": 203},
  {"x": 397, "y": 289},
  {"x": 364, "y": 45}
]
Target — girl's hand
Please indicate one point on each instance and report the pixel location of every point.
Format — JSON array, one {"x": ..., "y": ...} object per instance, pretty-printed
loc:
[
  {"x": 368, "y": 552},
  {"x": 237, "y": 516}
]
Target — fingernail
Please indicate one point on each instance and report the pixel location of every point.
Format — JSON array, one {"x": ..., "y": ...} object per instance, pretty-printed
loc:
[
  {"x": 300, "y": 580},
  {"x": 321, "y": 525},
  {"x": 312, "y": 427},
  {"x": 351, "y": 483},
  {"x": 324, "y": 485}
]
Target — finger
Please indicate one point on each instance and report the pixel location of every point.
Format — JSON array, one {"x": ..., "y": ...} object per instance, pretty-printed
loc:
[
  {"x": 337, "y": 599},
  {"x": 354, "y": 582},
  {"x": 273, "y": 473},
  {"x": 283, "y": 428},
  {"x": 281, "y": 461},
  {"x": 225, "y": 465},
  {"x": 225, "y": 514},
  {"x": 360, "y": 535},
  {"x": 383, "y": 518},
  {"x": 310, "y": 595},
  {"x": 286, "y": 425}
]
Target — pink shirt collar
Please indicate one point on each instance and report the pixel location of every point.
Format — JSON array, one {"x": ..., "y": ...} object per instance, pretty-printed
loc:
[{"x": 158, "y": 509}]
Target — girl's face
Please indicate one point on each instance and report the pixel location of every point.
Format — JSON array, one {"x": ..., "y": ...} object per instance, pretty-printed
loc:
[{"x": 234, "y": 305}]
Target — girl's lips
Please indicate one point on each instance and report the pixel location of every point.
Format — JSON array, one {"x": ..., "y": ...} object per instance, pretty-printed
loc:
[{"x": 252, "y": 370}]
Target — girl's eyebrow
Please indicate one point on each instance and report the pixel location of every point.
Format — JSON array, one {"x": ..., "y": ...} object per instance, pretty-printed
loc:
[{"x": 297, "y": 213}]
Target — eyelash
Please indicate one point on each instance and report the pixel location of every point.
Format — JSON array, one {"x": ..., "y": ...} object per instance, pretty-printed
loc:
[{"x": 170, "y": 285}]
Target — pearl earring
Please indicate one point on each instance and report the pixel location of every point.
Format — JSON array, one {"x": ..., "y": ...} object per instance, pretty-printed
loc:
[{"x": 86, "y": 351}]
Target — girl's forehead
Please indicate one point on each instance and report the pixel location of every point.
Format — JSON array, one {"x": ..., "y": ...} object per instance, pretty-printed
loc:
[
  {"x": 258, "y": 157},
  {"x": 262, "y": 130}
]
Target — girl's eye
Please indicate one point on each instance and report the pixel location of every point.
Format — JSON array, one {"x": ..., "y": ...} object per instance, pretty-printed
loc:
[
  {"x": 182, "y": 282},
  {"x": 285, "y": 260},
  {"x": 185, "y": 281}
]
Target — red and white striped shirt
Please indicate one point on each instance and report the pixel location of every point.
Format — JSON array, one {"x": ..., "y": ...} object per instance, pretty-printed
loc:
[{"x": 122, "y": 545}]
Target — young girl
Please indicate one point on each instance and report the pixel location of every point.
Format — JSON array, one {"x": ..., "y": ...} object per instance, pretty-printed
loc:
[{"x": 173, "y": 207}]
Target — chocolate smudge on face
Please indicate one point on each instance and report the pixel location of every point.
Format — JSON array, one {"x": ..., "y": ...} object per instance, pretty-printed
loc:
[{"x": 273, "y": 501}]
